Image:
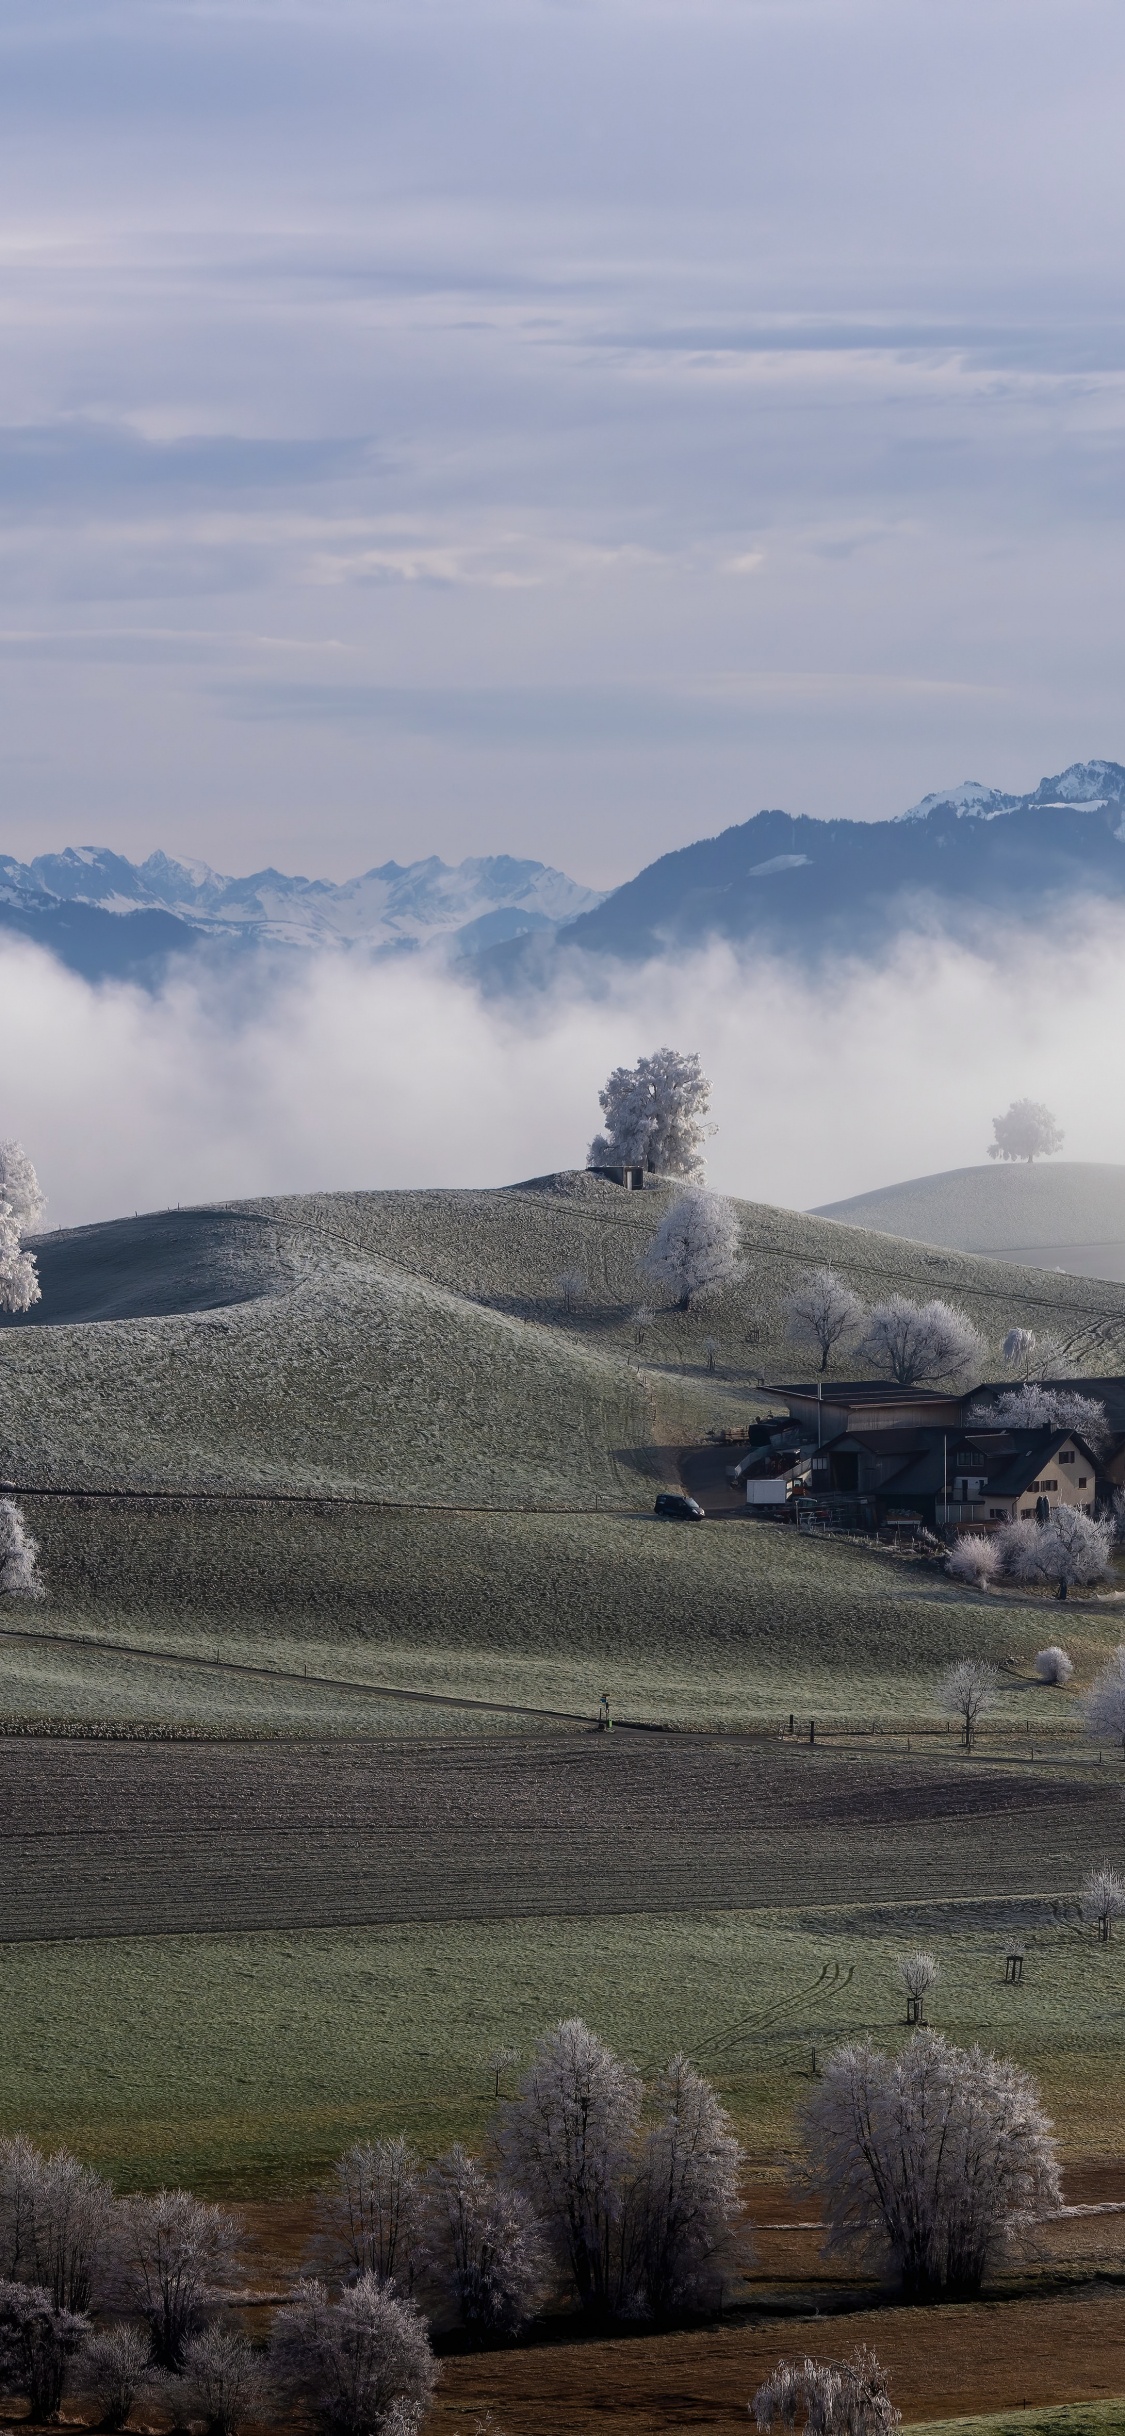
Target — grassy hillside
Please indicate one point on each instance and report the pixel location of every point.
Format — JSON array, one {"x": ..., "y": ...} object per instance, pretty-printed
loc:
[
  {"x": 1063, "y": 1214},
  {"x": 412, "y": 1350}
]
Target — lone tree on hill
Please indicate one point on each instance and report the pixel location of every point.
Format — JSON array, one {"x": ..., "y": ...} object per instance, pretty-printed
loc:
[
  {"x": 930, "y": 2161},
  {"x": 655, "y": 1114},
  {"x": 822, "y": 1311},
  {"x": 920, "y": 1344},
  {"x": 1103, "y": 1899},
  {"x": 967, "y": 1691},
  {"x": 830, "y": 2398},
  {"x": 695, "y": 1247},
  {"x": 1105, "y": 1704},
  {"x": 1028, "y": 1131}
]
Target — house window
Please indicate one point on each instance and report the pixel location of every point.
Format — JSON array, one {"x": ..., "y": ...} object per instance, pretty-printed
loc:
[
  {"x": 1083, "y": 1480},
  {"x": 1068, "y": 1458},
  {"x": 1027, "y": 1514},
  {"x": 996, "y": 1514}
]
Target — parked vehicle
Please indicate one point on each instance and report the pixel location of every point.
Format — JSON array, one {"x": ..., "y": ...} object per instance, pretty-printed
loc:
[{"x": 678, "y": 1509}]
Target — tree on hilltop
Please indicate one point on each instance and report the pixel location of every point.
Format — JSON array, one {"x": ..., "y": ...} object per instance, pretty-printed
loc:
[
  {"x": 1027, "y": 1131},
  {"x": 655, "y": 1116}
]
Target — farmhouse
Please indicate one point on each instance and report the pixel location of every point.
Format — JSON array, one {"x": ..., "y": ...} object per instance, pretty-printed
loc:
[{"x": 865, "y": 1454}]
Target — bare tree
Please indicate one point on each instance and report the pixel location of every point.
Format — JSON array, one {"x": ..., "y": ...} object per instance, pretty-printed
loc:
[
  {"x": 1027, "y": 1131},
  {"x": 689, "y": 2199},
  {"x": 967, "y": 1691},
  {"x": 1053, "y": 1666},
  {"x": 572, "y": 1287},
  {"x": 118, "y": 2364},
  {"x": 39, "y": 2345},
  {"x": 655, "y": 1115},
  {"x": 485, "y": 2253},
  {"x": 363, "y": 2363},
  {"x": 1071, "y": 1547},
  {"x": 695, "y": 1247},
  {"x": 1103, "y": 1899},
  {"x": 930, "y": 2161},
  {"x": 832, "y": 2398},
  {"x": 375, "y": 2208},
  {"x": 56, "y": 2217},
  {"x": 1105, "y": 1703},
  {"x": 920, "y": 1344},
  {"x": 568, "y": 2140},
  {"x": 226, "y": 2378},
  {"x": 19, "y": 1556},
  {"x": 176, "y": 2253},
  {"x": 974, "y": 1557},
  {"x": 823, "y": 1312},
  {"x": 500, "y": 2061},
  {"x": 918, "y": 1973}
]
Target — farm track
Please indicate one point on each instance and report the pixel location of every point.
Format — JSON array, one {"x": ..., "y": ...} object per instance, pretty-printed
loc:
[{"x": 121, "y": 1839}]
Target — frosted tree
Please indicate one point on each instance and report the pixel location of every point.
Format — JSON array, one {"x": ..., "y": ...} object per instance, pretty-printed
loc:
[
  {"x": 829, "y": 2398},
  {"x": 1105, "y": 1703},
  {"x": 1070, "y": 1550},
  {"x": 930, "y": 2162},
  {"x": 1103, "y": 1899},
  {"x": 20, "y": 1187},
  {"x": 823, "y": 1312},
  {"x": 921, "y": 1344},
  {"x": 19, "y": 1556},
  {"x": 226, "y": 2379},
  {"x": 973, "y": 1558},
  {"x": 363, "y": 2364},
  {"x": 967, "y": 1691},
  {"x": 21, "y": 1207},
  {"x": 1034, "y": 1406},
  {"x": 1027, "y": 1131},
  {"x": 56, "y": 2217},
  {"x": 655, "y": 1114},
  {"x": 118, "y": 2365},
  {"x": 688, "y": 2194},
  {"x": 918, "y": 1973},
  {"x": 373, "y": 2208},
  {"x": 1019, "y": 1349},
  {"x": 484, "y": 2251},
  {"x": 39, "y": 2345},
  {"x": 1053, "y": 1666},
  {"x": 694, "y": 1248},
  {"x": 568, "y": 2139},
  {"x": 176, "y": 2254}
]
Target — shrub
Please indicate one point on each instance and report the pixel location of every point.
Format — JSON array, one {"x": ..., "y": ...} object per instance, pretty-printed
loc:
[
  {"x": 1053, "y": 1666},
  {"x": 974, "y": 1558}
]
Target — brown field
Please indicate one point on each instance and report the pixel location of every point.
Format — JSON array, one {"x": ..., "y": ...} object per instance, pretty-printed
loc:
[{"x": 134, "y": 1839}]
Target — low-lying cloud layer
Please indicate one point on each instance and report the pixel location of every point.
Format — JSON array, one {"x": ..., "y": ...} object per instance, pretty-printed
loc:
[{"x": 337, "y": 1073}]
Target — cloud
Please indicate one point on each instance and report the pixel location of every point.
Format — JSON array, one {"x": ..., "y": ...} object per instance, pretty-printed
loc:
[{"x": 335, "y": 1073}]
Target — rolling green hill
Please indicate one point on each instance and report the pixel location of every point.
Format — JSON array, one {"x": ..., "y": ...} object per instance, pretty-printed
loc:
[
  {"x": 1066, "y": 1215},
  {"x": 465, "y": 1470}
]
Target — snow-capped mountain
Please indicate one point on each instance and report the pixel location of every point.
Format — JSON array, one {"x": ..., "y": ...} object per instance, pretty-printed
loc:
[{"x": 471, "y": 905}]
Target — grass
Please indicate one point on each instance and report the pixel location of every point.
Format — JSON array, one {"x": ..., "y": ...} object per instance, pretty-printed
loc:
[
  {"x": 1000, "y": 1208},
  {"x": 1066, "y": 2419},
  {"x": 244, "y": 2064},
  {"x": 729, "y": 1625}
]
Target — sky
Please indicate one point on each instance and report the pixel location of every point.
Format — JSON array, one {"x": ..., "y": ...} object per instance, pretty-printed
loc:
[{"x": 553, "y": 427}]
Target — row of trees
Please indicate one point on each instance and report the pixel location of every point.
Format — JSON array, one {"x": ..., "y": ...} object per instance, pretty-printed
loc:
[
  {"x": 1070, "y": 1549},
  {"x": 927, "y": 2163}
]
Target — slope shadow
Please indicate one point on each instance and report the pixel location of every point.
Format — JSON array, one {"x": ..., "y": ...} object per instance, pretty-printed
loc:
[{"x": 163, "y": 1263}]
